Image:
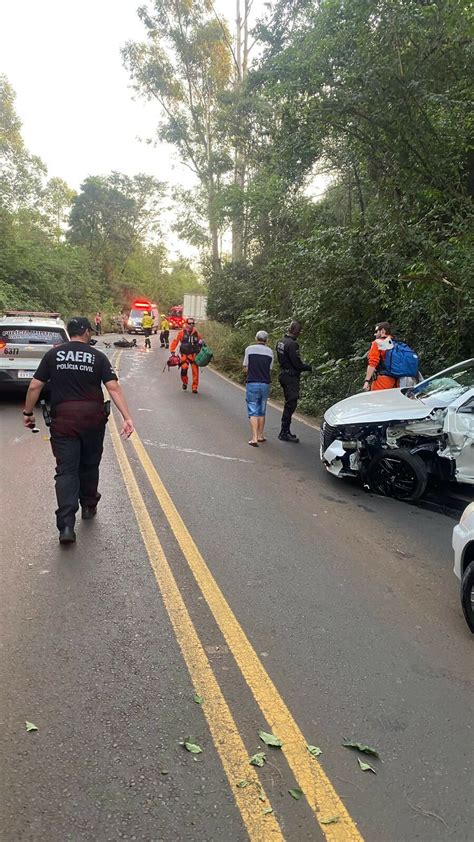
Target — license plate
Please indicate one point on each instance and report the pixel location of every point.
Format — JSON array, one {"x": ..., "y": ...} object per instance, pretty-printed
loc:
[{"x": 25, "y": 375}]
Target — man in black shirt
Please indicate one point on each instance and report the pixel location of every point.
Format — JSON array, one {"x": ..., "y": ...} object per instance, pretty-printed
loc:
[
  {"x": 291, "y": 365},
  {"x": 76, "y": 371}
]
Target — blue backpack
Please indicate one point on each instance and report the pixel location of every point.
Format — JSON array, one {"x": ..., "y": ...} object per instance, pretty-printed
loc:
[{"x": 400, "y": 361}]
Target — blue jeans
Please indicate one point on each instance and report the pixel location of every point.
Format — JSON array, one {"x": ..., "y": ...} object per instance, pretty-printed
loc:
[{"x": 256, "y": 395}]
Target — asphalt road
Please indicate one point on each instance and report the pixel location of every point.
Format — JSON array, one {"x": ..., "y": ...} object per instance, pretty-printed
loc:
[{"x": 288, "y": 600}]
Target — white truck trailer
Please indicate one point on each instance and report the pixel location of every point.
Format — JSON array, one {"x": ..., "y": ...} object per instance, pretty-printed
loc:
[{"x": 195, "y": 306}]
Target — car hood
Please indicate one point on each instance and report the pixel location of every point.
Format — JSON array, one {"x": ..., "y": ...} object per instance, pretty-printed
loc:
[{"x": 376, "y": 407}]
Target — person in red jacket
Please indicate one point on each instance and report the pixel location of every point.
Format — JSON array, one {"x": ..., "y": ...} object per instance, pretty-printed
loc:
[
  {"x": 375, "y": 379},
  {"x": 190, "y": 344}
]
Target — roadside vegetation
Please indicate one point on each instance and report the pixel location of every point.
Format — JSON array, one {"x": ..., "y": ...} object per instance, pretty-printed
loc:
[
  {"x": 331, "y": 145},
  {"x": 340, "y": 161},
  {"x": 79, "y": 253}
]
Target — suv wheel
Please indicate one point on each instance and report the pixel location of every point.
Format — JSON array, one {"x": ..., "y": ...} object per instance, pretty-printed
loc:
[
  {"x": 467, "y": 595},
  {"x": 397, "y": 473}
]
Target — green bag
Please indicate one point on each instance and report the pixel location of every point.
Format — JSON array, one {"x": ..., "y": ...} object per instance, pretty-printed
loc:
[{"x": 204, "y": 357}]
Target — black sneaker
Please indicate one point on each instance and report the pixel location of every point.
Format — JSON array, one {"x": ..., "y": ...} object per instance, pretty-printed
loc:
[
  {"x": 288, "y": 437},
  {"x": 67, "y": 535},
  {"x": 184, "y": 386},
  {"x": 88, "y": 512}
]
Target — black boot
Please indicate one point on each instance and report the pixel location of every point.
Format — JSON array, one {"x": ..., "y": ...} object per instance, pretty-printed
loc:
[
  {"x": 67, "y": 535},
  {"x": 285, "y": 435},
  {"x": 88, "y": 512}
]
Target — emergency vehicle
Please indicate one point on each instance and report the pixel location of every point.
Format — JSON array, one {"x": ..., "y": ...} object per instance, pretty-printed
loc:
[
  {"x": 139, "y": 308},
  {"x": 175, "y": 317}
]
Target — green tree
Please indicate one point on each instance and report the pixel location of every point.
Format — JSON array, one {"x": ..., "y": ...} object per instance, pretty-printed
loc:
[
  {"x": 21, "y": 173},
  {"x": 111, "y": 217},
  {"x": 56, "y": 200},
  {"x": 185, "y": 65}
]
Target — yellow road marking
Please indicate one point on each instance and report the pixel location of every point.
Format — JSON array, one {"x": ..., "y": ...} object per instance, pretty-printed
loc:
[
  {"x": 229, "y": 745},
  {"x": 320, "y": 793}
]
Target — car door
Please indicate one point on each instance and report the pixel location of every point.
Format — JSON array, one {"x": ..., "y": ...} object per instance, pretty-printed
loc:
[{"x": 459, "y": 427}]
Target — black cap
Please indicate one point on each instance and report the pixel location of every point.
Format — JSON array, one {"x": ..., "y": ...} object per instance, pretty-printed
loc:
[{"x": 78, "y": 325}]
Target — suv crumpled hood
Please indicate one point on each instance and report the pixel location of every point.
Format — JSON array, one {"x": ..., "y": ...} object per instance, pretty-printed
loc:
[{"x": 376, "y": 407}]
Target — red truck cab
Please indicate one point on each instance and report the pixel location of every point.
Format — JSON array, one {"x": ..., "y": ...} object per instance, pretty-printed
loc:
[{"x": 175, "y": 317}]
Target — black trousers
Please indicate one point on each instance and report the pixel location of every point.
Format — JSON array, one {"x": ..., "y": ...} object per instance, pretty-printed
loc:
[
  {"x": 291, "y": 390},
  {"x": 147, "y": 332},
  {"x": 77, "y": 441},
  {"x": 165, "y": 338}
]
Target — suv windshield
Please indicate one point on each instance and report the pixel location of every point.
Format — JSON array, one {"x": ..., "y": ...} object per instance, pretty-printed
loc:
[
  {"x": 450, "y": 385},
  {"x": 137, "y": 314},
  {"x": 32, "y": 335}
]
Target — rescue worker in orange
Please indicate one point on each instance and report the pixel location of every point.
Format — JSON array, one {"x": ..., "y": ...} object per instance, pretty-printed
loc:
[
  {"x": 375, "y": 379},
  {"x": 190, "y": 344}
]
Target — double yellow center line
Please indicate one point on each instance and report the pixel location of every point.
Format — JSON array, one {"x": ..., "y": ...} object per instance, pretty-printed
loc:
[{"x": 319, "y": 792}]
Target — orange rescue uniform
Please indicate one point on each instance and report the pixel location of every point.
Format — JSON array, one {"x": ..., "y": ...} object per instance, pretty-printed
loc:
[
  {"x": 189, "y": 342},
  {"x": 375, "y": 358}
]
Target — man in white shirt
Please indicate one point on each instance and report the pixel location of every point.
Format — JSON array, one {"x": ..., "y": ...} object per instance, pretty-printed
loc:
[{"x": 258, "y": 362}]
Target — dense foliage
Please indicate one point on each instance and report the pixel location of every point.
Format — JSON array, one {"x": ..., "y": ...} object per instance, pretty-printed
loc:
[
  {"x": 337, "y": 171},
  {"x": 377, "y": 95},
  {"x": 81, "y": 253}
]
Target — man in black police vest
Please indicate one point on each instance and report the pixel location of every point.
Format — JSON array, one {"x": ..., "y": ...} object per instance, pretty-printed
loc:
[
  {"x": 76, "y": 372},
  {"x": 291, "y": 365}
]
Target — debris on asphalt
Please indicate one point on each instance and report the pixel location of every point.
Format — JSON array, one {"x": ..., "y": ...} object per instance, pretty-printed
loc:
[
  {"x": 360, "y": 747},
  {"x": 366, "y": 767},
  {"x": 191, "y": 745},
  {"x": 270, "y": 739},
  {"x": 258, "y": 759}
]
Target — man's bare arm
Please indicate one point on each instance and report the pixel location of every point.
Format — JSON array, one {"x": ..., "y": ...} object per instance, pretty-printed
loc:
[
  {"x": 115, "y": 391},
  {"x": 32, "y": 397}
]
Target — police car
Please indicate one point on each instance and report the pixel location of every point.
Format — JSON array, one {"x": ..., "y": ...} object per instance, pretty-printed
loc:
[{"x": 24, "y": 339}]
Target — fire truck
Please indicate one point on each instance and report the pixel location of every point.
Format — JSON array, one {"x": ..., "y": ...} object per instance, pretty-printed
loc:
[{"x": 175, "y": 316}]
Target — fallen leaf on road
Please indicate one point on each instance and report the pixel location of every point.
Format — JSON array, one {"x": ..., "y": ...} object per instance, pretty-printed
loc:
[
  {"x": 191, "y": 745},
  {"x": 296, "y": 793},
  {"x": 267, "y": 810},
  {"x": 360, "y": 747},
  {"x": 164, "y": 772},
  {"x": 261, "y": 795},
  {"x": 258, "y": 759},
  {"x": 270, "y": 739},
  {"x": 198, "y": 699},
  {"x": 366, "y": 767},
  {"x": 30, "y": 726},
  {"x": 243, "y": 783},
  {"x": 330, "y": 820},
  {"x": 315, "y": 751}
]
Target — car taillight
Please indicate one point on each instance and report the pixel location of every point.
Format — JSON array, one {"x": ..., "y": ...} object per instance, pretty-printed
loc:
[{"x": 2, "y": 344}]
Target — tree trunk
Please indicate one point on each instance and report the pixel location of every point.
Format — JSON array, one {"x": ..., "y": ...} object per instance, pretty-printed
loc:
[
  {"x": 213, "y": 227},
  {"x": 241, "y": 53}
]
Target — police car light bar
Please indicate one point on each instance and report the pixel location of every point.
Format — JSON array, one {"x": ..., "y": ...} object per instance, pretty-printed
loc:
[
  {"x": 138, "y": 305},
  {"x": 31, "y": 314}
]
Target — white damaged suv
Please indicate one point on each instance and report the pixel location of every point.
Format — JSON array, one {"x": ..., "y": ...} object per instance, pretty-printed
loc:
[{"x": 395, "y": 439}]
